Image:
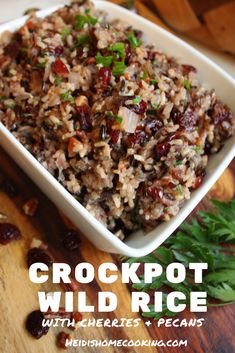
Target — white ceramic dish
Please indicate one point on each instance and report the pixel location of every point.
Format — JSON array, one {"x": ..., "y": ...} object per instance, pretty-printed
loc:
[{"x": 137, "y": 244}]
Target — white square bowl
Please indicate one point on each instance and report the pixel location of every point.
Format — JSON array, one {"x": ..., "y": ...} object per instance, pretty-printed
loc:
[{"x": 137, "y": 244}]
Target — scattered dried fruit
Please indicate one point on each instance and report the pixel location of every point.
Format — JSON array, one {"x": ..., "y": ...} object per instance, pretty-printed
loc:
[
  {"x": 38, "y": 255},
  {"x": 77, "y": 316},
  {"x": 59, "y": 314},
  {"x": 34, "y": 324},
  {"x": 30, "y": 207},
  {"x": 62, "y": 338},
  {"x": 71, "y": 240},
  {"x": 8, "y": 233}
]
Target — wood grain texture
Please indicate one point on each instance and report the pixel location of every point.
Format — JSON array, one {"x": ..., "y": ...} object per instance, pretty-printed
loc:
[
  {"x": 18, "y": 296},
  {"x": 210, "y": 22}
]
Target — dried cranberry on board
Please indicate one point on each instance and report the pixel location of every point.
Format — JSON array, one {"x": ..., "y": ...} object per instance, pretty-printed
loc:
[
  {"x": 77, "y": 316},
  {"x": 62, "y": 339},
  {"x": 38, "y": 255},
  {"x": 34, "y": 324},
  {"x": 8, "y": 233},
  {"x": 71, "y": 240},
  {"x": 59, "y": 67},
  {"x": 105, "y": 75}
]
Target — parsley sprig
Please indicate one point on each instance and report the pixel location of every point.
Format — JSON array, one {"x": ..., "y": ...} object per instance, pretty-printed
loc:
[{"x": 209, "y": 237}]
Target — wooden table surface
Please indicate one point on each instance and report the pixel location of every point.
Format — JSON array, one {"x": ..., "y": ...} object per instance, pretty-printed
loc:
[{"x": 18, "y": 296}]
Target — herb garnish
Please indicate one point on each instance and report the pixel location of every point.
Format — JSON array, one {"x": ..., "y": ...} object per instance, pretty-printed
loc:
[
  {"x": 82, "y": 20},
  {"x": 116, "y": 117},
  {"x": 66, "y": 97},
  {"x": 58, "y": 80},
  {"x": 137, "y": 100},
  {"x": 187, "y": 85},
  {"x": 41, "y": 65},
  {"x": 119, "y": 48},
  {"x": 155, "y": 105},
  {"x": 65, "y": 32},
  {"x": 143, "y": 75},
  {"x": 82, "y": 40},
  {"x": 135, "y": 42},
  {"x": 119, "y": 67},
  {"x": 205, "y": 239},
  {"x": 197, "y": 148},
  {"x": 106, "y": 61}
]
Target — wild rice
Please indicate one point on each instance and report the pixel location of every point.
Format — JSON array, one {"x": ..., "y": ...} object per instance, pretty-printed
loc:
[{"x": 124, "y": 128}]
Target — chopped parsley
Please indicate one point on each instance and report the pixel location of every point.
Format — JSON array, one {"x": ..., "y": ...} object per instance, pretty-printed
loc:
[
  {"x": 10, "y": 105},
  {"x": 118, "y": 68},
  {"x": 106, "y": 61},
  {"x": 66, "y": 97},
  {"x": 82, "y": 40},
  {"x": 135, "y": 42},
  {"x": 152, "y": 81},
  {"x": 179, "y": 189},
  {"x": 116, "y": 117},
  {"x": 65, "y": 32},
  {"x": 86, "y": 19},
  {"x": 197, "y": 148},
  {"x": 143, "y": 75},
  {"x": 187, "y": 85},
  {"x": 41, "y": 65},
  {"x": 119, "y": 48},
  {"x": 57, "y": 80},
  {"x": 155, "y": 106},
  {"x": 137, "y": 100},
  {"x": 204, "y": 239},
  {"x": 2, "y": 98},
  {"x": 179, "y": 162}
]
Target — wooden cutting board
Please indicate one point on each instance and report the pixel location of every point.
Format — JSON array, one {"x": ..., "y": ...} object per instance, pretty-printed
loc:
[{"x": 18, "y": 296}]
